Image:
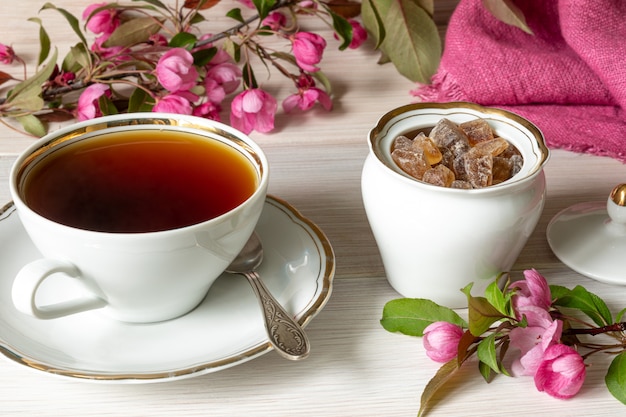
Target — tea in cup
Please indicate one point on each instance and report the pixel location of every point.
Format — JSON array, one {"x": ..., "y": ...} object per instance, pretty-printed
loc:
[
  {"x": 143, "y": 212},
  {"x": 434, "y": 240}
]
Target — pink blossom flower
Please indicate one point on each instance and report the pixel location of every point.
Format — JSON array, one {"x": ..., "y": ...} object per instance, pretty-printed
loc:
[
  {"x": 214, "y": 92},
  {"x": 359, "y": 34},
  {"x": 275, "y": 21},
  {"x": 533, "y": 291},
  {"x": 7, "y": 54},
  {"x": 226, "y": 74},
  {"x": 175, "y": 70},
  {"x": 534, "y": 339},
  {"x": 208, "y": 110},
  {"x": 104, "y": 21},
  {"x": 308, "y": 49},
  {"x": 441, "y": 340},
  {"x": 562, "y": 372},
  {"x": 307, "y": 95},
  {"x": 253, "y": 109},
  {"x": 173, "y": 103},
  {"x": 87, "y": 106},
  {"x": 220, "y": 57},
  {"x": 115, "y": 53}
]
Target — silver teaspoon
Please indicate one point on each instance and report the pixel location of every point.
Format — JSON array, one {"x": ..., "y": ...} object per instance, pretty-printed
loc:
[{"x": 285, "y": 335}]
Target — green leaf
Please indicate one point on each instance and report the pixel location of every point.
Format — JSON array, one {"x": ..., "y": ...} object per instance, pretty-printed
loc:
[
  {"x": 485, "y": 371},
  {"x": 619, "y": 315},
  {"x": 372, "y": 18},
  {"x": 72, "y": 20},
  {"x": 412, "y": 40},
  {"x": 203, "y": 56},
  {"x": 581, "y": 299},
  {"x": 235, "y": 14},
  {"x": 183, "y": 40},
  {"x": 232, "y": 48},
  {"x": 32, "y": 125},
  {"x": 323, "y": 79},
  {"x": 78, "y": 57},
  {"x": 343, "y": 28},
  {"x": 133, "y": 32},
  {"x": 106, "y": 106},
  {"x": 434, "y": 385},
  {"x": 615, "y": 378},
  {"x": 486, "y": 352},
  {"x": 481, "y": 313},
  {"x": 27, "y": 94},
  {"x": 140, "y": 101},
  {"x": 248, "y": 78},
  {"x": 507, "y": 12},
  {"x": 263, "y": 7},
  {"x": 44, "y": 41},
  {"x": 496, "y": 297},
  {"x": 411, "y": 316}
]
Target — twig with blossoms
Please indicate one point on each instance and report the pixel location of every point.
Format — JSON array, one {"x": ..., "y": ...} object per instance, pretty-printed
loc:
[
  {"x": 149, "y": 56},
  {"x": 527, "y": 328}
]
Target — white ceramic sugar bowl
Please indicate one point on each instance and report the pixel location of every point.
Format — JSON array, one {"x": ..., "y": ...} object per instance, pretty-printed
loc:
[{"x": 434, "y": 240}]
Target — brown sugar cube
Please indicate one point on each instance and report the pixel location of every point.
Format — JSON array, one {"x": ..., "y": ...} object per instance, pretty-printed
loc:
[
  {"x": 464, "y": 185},
  {"x": 425, "y": 145},
  {"x": 439, "y": 175},
  {"x": 516, "y": 161},
  {"x": 447, "y": 158},
  {"x": 458, "y": 167},
  {"x": 477, "y": 130},
  {"x": 510, "y": 151},
  {"x": 493, "y": 147},
  {"x": 446, "y": 134},
  {"x": 479, "y": 170},
  {"x": 413, "y": 163},
  {"x": 402, "y": 142},
  {"x": 501, "y": 169}
]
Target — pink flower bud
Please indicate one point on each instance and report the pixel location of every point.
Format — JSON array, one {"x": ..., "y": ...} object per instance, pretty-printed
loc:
[
  {"x": 441, "y": 340},
  {"x": 562, "y": 372},
  {"x": 275, "y": 20},
  {"x": 308, "y": 49},
  {"x": 533, "y": 291},
  {"x": 105, "y": 21},
  {"x": 7, "y": 54},
  {"x": 175, "y": 70}
]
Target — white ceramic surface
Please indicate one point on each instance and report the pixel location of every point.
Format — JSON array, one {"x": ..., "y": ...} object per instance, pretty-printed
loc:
[
  {"x": 135, "y": 277},
  {"x": 590, "y": 238},
  {"x": 226, "y": 329},
  {"x": 434, "y": 240}
]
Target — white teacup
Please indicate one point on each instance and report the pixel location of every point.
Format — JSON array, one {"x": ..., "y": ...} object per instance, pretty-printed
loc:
[
  {"x": 434, "y": 240},
  {"x": 156, "y": 265}
]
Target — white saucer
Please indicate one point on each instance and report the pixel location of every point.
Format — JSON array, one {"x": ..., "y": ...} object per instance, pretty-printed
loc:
[{"x": 225, "y": 330}]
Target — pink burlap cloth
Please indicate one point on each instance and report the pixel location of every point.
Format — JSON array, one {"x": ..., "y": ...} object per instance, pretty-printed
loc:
[{"x": 569, "y": 78}]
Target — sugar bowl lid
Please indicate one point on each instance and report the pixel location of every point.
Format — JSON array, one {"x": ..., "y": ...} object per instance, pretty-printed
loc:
[{"x": 590, "y": 238}]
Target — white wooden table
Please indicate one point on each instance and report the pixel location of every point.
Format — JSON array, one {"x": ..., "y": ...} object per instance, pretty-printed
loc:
[{"x": 356, "y": 368}]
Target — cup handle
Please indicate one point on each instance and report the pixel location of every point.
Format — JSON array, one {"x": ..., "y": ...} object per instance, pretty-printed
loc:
[{"x": 32, "y": 275}]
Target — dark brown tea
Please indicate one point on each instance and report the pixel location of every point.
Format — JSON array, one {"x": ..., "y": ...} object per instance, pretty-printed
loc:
[{"x": 139, "y": 181}]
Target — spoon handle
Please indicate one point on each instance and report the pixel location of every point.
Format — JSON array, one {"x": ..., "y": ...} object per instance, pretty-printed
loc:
[{"x": 285, "y": 335}]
